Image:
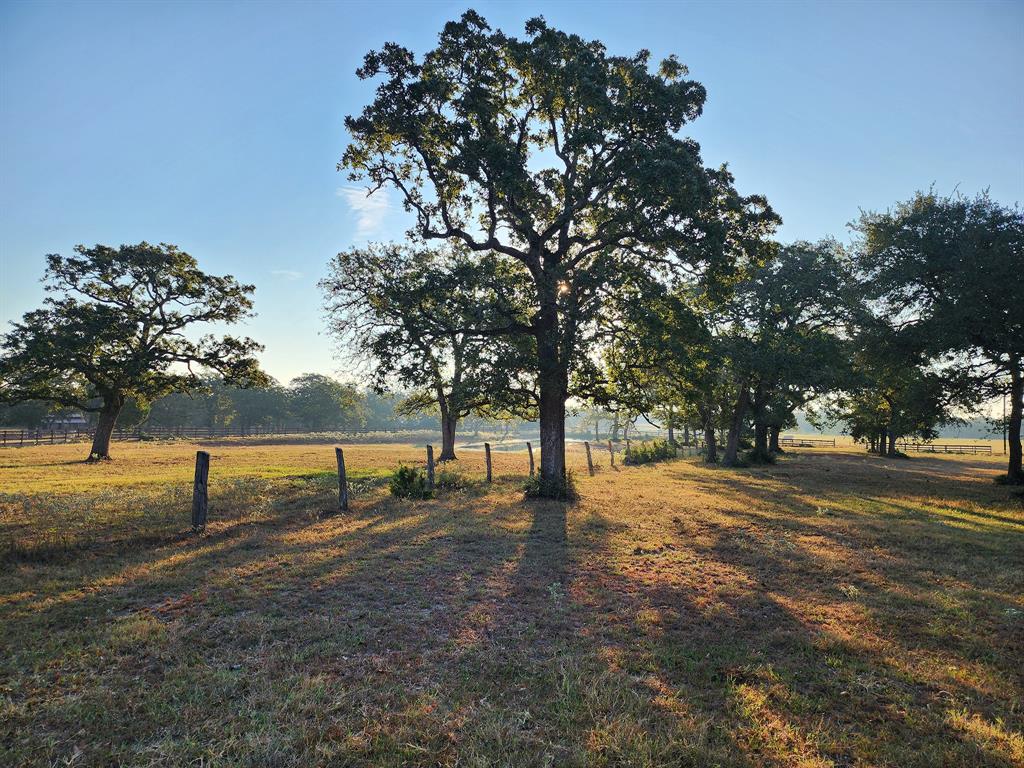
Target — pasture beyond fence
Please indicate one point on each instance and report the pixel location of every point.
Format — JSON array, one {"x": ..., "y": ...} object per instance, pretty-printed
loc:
[{"x": 200, "y": 490}]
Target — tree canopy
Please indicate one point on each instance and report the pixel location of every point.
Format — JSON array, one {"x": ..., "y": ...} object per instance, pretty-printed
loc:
[
  {"x": 420, "y": 317},
  {"x": 116, "y": 324},
  {"x": 557, "y": 156}
]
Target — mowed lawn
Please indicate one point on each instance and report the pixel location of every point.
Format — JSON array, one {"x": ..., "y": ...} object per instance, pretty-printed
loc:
[{"x": 833, "y": 609}]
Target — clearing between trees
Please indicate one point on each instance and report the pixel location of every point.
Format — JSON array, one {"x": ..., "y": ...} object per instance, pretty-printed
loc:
[{"x": 832, "y": 609}]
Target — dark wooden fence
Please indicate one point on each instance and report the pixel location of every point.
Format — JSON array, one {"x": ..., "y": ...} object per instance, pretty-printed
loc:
[
  {"x": 943, "y": 448},
  {"x": 807, "y": 442}
]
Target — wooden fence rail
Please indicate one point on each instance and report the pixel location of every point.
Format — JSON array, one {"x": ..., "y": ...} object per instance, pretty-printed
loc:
[
  {"x": 944, "y": 448},
  {"x": 807, "y": 442}
]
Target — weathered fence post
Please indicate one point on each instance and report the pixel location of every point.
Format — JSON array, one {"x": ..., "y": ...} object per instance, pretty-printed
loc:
[
  {"x": 342, "y": 480},
  {"x": 529, "y": 449},
  {"x": 487, "y": 457},
  {"x": 590, "y": 461},
  {"x": 199, "y": 492},
  {"x": 430, "y": 465},
  {"x": 611, "y": 452}
]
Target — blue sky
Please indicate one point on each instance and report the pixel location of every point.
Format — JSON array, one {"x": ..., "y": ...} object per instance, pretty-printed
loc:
[{"x": 217, "y": 126}]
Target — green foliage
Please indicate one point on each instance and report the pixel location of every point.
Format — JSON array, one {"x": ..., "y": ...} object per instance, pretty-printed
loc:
[
  {"x": 320, "y": 402},
  {"x": 648, "y": 451},
  {"x": 119, "y": 324},
  {"x": 757, "y": 456},
  {"x": 565, "y": 165},
  {"x": 410, "y": 483},
  {"x": 30, "y": 414},
  {"x": 450, "y": 480},
  {"x": 561, "y": 489},
  {"x": 112, "y": 325},
  {"x": 417, "y": 317},
  {"x": 949, "y": 271}
]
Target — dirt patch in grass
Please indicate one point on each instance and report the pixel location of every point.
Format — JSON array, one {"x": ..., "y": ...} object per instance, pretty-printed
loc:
[{"x": 833, "y": 609}]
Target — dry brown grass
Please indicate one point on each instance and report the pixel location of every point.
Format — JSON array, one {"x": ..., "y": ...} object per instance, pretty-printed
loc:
[{"x": 834, "y": 609}]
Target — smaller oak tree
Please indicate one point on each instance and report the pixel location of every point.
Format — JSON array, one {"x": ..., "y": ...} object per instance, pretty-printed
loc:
[
  {"x": 423, "y": 319},
  {"x": 115, "y": 326}
]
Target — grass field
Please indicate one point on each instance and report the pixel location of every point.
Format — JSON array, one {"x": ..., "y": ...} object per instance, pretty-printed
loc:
[{"x": 833, "y": 609}]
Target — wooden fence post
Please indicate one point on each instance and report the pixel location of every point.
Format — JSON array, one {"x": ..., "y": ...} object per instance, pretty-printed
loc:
[
  {"x": 430, "y": 466},
  {"x": 487, "y": 457},
  {"x": 590, "y": 461},
  {"x": 611, "y": 452},
  {"x": 199, "y": 491},
  {"x": 529, "y": 449},
  {"x": 342, "y": 480}
]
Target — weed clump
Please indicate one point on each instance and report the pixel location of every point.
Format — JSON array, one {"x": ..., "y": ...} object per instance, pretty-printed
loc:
[
  {"x": 649, "y": 451},
  {"x": 754, "y": 456},
  {"x": 450, "y": 480},
  {"x": 410, "y": 483},
  {"x": 560, "y": 489}
]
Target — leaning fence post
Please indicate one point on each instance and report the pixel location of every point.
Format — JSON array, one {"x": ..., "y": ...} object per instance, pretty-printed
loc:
[
  {"x": 342, "y": 480},
  {"x": 590, "y": 461},
  {"x": 487, "y": 457},
  {"x": 529, "y": 449},
  {"x": 430, "y": 465},
  {"x": 611, "y": 452},
  {"x": 199, "y": 493}
]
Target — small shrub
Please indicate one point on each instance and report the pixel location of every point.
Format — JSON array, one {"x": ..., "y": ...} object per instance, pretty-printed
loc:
[
  {"x": 759, "y": 457},
  {"x": 649, "y": 451},
  {"x": 450, "y": 480},
  {"x": 560, "y": 489},
  {"x": 410, "y": 483}
]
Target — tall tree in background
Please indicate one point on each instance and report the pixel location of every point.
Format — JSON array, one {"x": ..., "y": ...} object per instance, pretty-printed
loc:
[
  {"x": 118, "y": 324},
  {"x": 891, "y": 392},
  {"x": 319, "y": 403},
  {"x": 792, "y": 308},
  {"x": 416, "y": 316},
  {"x": 950, "y": 272},
  {"x": 560, "y": 158}
]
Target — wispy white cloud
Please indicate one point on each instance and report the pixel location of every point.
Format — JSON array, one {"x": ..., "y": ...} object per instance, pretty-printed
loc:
[
  {"x": 371, "y": 210},
  {"x": 287, "y": 274}
]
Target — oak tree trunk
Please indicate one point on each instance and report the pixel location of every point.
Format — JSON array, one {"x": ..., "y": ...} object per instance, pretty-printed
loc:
[
  {"x": 1014, "y": 473},
  {"x": 449, "y": 422},
  {"x": 112, "y": 405},
  {"x": 892, "y": 444},
  {"x": 553, "y": 383},
  {"x": 739, "y": 411},
  {"x": 710, "y": 446},
  {"x": 761, "y": 439},
  {"x": 773, "y": 440}
]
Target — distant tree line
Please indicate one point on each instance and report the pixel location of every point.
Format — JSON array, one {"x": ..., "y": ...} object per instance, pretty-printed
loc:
[{"x": 312, "y": 401}]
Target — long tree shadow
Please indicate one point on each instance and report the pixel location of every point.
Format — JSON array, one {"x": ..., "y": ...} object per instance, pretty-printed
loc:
[{"x": 750, "y": 628}]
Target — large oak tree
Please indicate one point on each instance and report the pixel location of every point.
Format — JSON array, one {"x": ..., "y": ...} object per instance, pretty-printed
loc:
[
  {"x": 949, "y": 273},
  {"x": 555, "y": 155},
  {"x": 119, "y": 323}
]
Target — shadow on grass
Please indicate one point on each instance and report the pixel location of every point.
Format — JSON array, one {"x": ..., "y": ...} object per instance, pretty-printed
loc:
[{"x": 742, "y": 625}]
